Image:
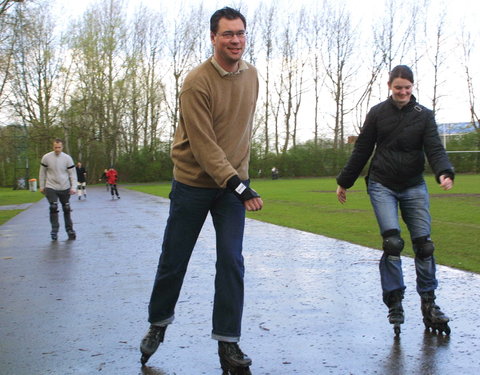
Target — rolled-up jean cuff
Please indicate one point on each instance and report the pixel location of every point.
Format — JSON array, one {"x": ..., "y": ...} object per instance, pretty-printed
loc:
[
  {"x": 225, "y": 338},
  {"x": 164, "y": 322}
]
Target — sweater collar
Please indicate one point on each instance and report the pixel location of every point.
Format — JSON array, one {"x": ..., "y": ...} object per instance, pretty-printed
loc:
[{"x": 242, "y": 65}]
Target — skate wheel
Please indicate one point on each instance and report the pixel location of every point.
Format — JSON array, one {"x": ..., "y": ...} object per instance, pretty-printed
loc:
[
  {"x": 397, "y": 330},
  {"x": 144, "y": 359},
  {"x": 236, "y": 371},
  {"x": 245, "y": 371},
  {"x": 447, "y": 330}
]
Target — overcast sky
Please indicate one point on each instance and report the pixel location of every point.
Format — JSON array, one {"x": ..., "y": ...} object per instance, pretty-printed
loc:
[{"x": 458, "y": 10}]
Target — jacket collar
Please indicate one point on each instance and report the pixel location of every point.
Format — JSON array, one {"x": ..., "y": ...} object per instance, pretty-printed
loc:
[{"x": 408, "y": 107}]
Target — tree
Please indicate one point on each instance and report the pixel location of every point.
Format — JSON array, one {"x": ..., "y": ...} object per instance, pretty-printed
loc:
[
  {"x": 467, "y": 46},
  {"x": 315, "y": 41},
  {"x": 100, "y": 67},
  {"x": 6, "y": 4},
  {"x": 36, "y": 72},
  {"x": 186, "y": 48},
  {"x": 267, "y": 31},
  {"x": 145, "y": 89},
  {"x": 437, "y": 59},
  {"x": 339, "y": 67}
]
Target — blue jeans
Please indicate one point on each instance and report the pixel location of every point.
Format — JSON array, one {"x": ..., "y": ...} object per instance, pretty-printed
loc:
[
  {"x": 189, "y": 207},
  {"x": 414, "y": 206}
]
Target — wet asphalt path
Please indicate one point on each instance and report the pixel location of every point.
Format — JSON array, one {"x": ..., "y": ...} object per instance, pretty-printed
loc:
[{"x": 313, "y": 304}]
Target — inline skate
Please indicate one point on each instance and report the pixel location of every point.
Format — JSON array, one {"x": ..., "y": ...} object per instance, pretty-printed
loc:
[
  {"x": 395, "y": 310},
  {"x": 151, "y": 342},
  {"x": 233, "y": 360},
  {"x": 433, "y": 317}
]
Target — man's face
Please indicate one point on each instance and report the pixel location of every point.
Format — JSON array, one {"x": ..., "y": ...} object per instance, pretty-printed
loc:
[
  {"x": 57, "y": 147},
  {"x": 229, "y": 43}
]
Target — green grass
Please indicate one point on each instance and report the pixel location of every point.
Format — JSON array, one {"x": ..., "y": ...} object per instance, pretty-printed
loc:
[
  {"x": 310, "y": 204},
  {"x": 9, "y": 196}
]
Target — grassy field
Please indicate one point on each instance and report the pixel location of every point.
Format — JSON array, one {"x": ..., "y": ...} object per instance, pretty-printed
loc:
[
  {"x": 8, "y": 196},
  {"x": 310, "y": 204}
]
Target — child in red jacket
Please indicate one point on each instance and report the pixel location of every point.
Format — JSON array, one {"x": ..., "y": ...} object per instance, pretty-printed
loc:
[{"x": 112, "y": 177}]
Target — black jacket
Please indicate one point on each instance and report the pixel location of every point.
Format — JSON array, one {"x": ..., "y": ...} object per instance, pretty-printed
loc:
[{"x": 398, "y": 162}]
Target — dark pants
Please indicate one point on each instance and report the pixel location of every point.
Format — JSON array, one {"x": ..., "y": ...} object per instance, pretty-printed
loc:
[
  {"x": 64, "y": 196},
  {"x": 189, "y": 207},
  {"x": 113, "y": 189}
]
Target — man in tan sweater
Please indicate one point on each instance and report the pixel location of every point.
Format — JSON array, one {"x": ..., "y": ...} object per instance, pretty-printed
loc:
[{"x": 211, "y": 152}]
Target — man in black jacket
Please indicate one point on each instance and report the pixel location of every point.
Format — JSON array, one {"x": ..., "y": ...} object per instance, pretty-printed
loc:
[
  {"x": 82, "y": 181},
  {"x": 402, "y": 132}
]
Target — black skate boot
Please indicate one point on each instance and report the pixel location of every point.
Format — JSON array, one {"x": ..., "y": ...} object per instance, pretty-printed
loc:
[
  {"x": 233, "y": 360},
  {"x": 395, "y": 310},
  {"x": 71, "y": 235},
  {"x": 433, "y": 317},
  {"x": 151, "y": 341},
  {"x": 54, "y": 236}
]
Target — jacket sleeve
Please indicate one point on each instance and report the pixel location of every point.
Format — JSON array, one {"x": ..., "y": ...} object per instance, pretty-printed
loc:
[
  {"x": 436, "y": 155},
  {"x": 362, "y": 151}
]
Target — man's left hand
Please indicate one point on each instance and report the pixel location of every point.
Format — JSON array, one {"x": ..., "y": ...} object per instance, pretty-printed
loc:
[{"x": 254, "y": 204}]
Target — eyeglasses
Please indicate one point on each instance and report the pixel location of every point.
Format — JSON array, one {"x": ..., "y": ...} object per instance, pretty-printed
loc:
[{"x": 230, "y": 34}]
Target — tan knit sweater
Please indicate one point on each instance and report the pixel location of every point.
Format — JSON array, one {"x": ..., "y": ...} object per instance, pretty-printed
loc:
[{"x": 212, "y": 141}]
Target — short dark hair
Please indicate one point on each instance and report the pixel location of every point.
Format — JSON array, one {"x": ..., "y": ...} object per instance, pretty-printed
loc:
[
  {"x": 229, "y": 14},
  {"x": 58, "y": 140},
  {"x": 401, "y": 71}
]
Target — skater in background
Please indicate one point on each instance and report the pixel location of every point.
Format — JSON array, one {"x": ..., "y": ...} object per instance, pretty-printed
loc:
[
  {"x": 112, "y": 178},
  {"x": 402, "y": 132},
  {"x": 103, "y": 177},
  {"x": 275, "y": 173},
  {"x": 82, "y": 181},
  {"x": 210, "y": 153},
  {"x": 57, "y": 180}
]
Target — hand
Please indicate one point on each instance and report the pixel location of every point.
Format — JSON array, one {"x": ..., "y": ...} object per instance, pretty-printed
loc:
[
  {"x": 42, "y": 191},
  {"x": 254, "y": 204},
  {"x": 446, "y": 183},
  {"x": 73, "y": 191},
  {"x": 341, "y": 194}
]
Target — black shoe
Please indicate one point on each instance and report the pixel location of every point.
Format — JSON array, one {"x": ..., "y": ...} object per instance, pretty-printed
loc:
[
  {"x": 79, "y": 198},
  {"x": 151, "y": 342},
  {"x": 54, "y": 236},
  {"x": 71, "y": 235},
  {"x": 118, "y": 197}
]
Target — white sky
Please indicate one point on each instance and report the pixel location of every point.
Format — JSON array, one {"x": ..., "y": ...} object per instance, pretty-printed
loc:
[{"x": 454, "y": 102}]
